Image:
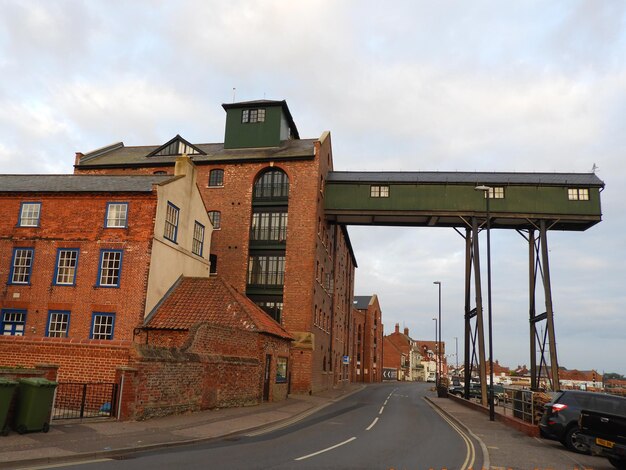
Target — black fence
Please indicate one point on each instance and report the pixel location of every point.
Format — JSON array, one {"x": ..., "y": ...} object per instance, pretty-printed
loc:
[{"x": 85, "y": 400}]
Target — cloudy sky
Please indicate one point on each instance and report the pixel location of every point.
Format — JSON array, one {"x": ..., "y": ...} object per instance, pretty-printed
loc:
[{"x": 534, "y": 86}]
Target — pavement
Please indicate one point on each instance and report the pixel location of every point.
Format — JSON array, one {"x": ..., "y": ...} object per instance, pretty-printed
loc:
[{"x": 70, "y": 441}]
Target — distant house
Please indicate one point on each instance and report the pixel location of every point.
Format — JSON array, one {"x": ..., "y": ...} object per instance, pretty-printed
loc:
[{"x": 368, "y": 339}]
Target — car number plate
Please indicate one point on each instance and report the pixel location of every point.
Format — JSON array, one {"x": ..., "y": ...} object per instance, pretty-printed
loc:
[{"x": 605, "y": 443}]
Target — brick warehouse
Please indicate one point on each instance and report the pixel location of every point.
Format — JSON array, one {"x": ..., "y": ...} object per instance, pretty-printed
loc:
[
  {"x": 368, "y": 339},
  {"x": 264, "y": 190}
]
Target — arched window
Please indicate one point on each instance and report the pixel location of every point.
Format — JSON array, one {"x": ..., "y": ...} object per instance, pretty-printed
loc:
[
  {"x": 216, "y": 178},
  {"x": 272, "y": 185}
]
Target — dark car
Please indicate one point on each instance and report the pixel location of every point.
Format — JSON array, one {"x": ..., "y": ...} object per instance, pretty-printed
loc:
[{"x": 560, "y": 418}]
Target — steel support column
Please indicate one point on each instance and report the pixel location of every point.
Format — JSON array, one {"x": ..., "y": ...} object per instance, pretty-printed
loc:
[{"x": 547, "y": 287}]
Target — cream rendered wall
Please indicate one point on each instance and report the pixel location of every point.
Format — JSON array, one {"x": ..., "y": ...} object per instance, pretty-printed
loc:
[{"x": 171, "y": 260}]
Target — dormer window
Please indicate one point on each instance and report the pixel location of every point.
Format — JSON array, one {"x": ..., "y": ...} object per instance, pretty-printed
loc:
[{"x": 252, "y": 115}]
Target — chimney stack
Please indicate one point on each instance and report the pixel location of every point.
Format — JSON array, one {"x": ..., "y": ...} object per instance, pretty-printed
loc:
[
  {"x": 397, "y": 327},
  {"x": 406, "y": 331}
]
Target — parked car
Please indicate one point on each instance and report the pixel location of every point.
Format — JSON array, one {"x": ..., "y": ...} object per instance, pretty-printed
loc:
[
  {"x": 560, "y": 418},
  {"x": 605, "y": 434},
  {"x": 459, "y": 391}
]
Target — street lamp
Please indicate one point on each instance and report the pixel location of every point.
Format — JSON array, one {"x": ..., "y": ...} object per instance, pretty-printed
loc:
[
  {"x": 440, "y": 370},
  {"x": 436, "y": 355},
  {"x": 488, "y": 191}
]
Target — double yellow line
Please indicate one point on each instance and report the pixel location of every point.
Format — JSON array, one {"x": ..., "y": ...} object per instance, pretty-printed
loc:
[{"x": 470, "y": 456}]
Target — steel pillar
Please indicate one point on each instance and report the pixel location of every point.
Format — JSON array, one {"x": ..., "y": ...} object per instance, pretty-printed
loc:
[
  {"x": 474, "y": 360},
  {"x": 540, "y": 339}
]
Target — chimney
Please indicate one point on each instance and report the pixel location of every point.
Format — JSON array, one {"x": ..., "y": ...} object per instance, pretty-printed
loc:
[
  {"x": 397, "y": 327},
  {"x": 406, "y": 331},
  {"x": 79, "y": 155}
]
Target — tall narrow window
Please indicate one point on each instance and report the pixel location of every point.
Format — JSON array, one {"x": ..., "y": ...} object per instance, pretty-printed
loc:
[
  {"x": 12, "y": 322},
  {"x": 102, "y": 325},
  {"x": 58, "y": 324},
  {"x": 65, "y": 272},
  {"x": 212, "y": 264},
  {"x": 117, "y": 215},
  {"x": 29, "y": 214},
  {"x": 21, "y": 266},
  {"x": 216, "y": 178},
  {"x": 197, "y": 244},
  {"x": 216, "y": 219},
  {"x": 171, "y": 222},
  {"x": 110, "y": 268}
]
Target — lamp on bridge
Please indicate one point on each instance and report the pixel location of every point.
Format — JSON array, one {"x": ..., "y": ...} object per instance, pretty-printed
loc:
[{"x": 488, "y": 192}]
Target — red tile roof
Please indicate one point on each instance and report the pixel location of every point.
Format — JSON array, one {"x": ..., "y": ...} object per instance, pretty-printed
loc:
[{"x": 196, "y": 300}]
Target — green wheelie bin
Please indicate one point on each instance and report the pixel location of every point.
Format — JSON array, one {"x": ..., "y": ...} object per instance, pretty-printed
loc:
[
  {"x": 7, "y": 388},
  {"x": 34, "y": 404}
]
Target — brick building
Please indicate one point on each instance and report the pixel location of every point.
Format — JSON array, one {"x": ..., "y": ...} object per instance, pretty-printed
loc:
[
  {"x": 77, "y": 256},
  {"x": 264, "y": 190},
  {"x": 368, "y": 339}
]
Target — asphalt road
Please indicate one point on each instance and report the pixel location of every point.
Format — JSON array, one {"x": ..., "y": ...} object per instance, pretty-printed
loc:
[{"x": 386, "y": 426}]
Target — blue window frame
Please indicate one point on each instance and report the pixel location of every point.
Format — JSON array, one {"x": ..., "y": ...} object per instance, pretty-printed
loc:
[
  {"x": 12, "y": 322},
  {"x": 58, "y": 324},
  {"x": 102, "y": 325},
  {"x": 66, "y": 267},
  {"x": 21, "y": 265},
  {"x": 197, "y": 244},
  {"x": 110, "y": 269},
  {"x": 171, "y": 222},
  {"x": 117, "y": 215},
  {"x": 29, "y": 214}
]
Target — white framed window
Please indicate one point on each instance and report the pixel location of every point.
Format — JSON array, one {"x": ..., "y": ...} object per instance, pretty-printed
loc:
[
  {"x": 379, "y": 190},
  {"x": 252, "y": 115},
  {"x": 58, "y": 324},
  {"x": 65, "y": 272},
  {"x": 171, "y": 222},
  {"x": 117, "y": 215},
  {"x": 197, "y": 244},
  {"x": 578, "y": 194},
  {"x": 110, "y": 268},
  {"x": 495, "y": 192},
  {"x": 21, "y": 266},
  {"x": 29, "y": 214},
  {"x": 102, "y": 325},
  {"x": 12, "y": 322},
  {"x": 216, "y": 219}
]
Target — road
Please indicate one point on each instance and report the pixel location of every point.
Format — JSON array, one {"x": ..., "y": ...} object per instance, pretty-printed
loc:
[{"x": 385, "y": 426}]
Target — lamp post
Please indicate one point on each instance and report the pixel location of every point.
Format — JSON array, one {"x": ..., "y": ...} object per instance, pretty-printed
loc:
[
  {"x": 487, "y": 191},
  {"x": 440, "y": 370},
  {"x": 456, "y": 353},
  {"x": 436, "y": 355}
]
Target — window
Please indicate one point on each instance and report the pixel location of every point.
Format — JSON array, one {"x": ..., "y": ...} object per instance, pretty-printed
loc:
[
  {"x": 171, "y": 222},
  {"x": 159, "y": 172},
  {"x": 110, "y": 268},
  {"x": 212, "y": 264},
  {"x": 379, "y": 191},
  {"x": 274, "y": 308},
  {"x": 273, "y": 184},
  {"x": 117, "y": 213},
  {"x": 496, "y": 192},
  {"x": 269, "y": 226},
  {"x": 29, "y": 214},
  {"x": 102, "y": 325},
  {"x": 266, "y": 270},
  {"x": 281, "y": 369},
  {"x": 197, "y": 243},
  {"x": 58, "y": 324},
  {"x": 216, "y": 219},
  {"x": 13, "y": 322},
  {"x": 65, "y": 272},
  {"x": 21, "y": 266},
  {"x": 578, "y": 194},
  {"x": 252, "y": 115},
  {"x": 216, "y": 178}
]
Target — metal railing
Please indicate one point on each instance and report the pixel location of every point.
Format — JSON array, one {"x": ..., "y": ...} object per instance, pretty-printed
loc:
[{"x": 85, "y": 400}]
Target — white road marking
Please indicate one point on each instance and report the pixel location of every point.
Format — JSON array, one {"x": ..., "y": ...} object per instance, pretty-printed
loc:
[
  {"x": 381, "y": 410},
  {"x": 372, "y": 425},
  {"x": 326, "y": 450}
]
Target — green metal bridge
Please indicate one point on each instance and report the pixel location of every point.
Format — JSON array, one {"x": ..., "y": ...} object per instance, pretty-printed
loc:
[{"x": 531, "y": 203}]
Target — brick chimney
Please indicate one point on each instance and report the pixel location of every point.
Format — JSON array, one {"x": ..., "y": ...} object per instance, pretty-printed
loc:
[
  {"x": 406, "y": 331},
  {"x": 397, "y": 327}
]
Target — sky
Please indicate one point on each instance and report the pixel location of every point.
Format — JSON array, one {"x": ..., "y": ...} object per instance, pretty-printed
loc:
[{"x": 532, "y": 86}]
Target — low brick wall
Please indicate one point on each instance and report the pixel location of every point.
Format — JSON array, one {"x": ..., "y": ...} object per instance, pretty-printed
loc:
[{"x": 529, "y": 429}]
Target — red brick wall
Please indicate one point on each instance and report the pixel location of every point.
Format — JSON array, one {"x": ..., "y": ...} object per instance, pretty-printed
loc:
[
  {"x": 77, "y": 221},
  {"x": 358, "y": 321},
  {"x": 84, "y": 361},
  {"x": 312, "y": 246}
]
